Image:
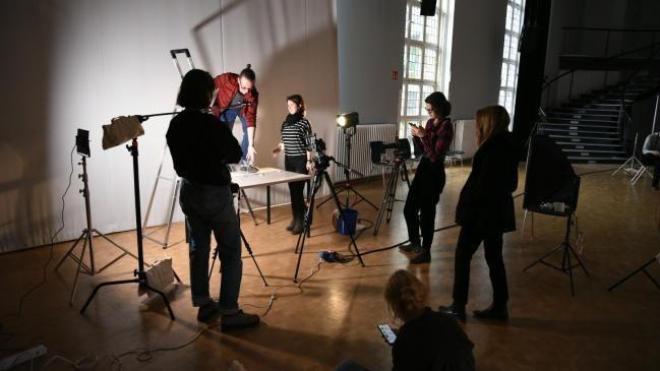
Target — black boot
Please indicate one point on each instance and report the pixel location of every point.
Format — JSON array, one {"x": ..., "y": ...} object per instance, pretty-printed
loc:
[
  {"x": 291, "y": 225},
  {"x": 454, "y": 310},
  {"x": 423, "y": 257},
  {"x": 494, "y": 312},
  {"x": 298, "y": 221}
]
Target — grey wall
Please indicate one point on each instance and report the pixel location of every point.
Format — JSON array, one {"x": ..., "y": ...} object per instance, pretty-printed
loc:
[
  {"x": 476, "y": 55},
  {"x": 78, "y": 63},
  {"x": 370, "y": 38}
]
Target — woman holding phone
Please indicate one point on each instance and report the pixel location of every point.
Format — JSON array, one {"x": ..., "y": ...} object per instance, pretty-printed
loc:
[{"x": 434, "y": 140}]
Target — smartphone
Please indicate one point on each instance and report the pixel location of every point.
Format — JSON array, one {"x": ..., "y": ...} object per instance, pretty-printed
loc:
[
  {"x": 412, "y": 124},
  {"x": 387, "y": 333}
]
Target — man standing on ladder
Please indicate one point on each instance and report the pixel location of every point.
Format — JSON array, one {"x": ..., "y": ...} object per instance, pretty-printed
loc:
[{"x": 237, "y": 96}]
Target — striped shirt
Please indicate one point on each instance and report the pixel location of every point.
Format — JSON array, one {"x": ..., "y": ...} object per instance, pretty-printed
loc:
[{"x": 296, "y": 137}]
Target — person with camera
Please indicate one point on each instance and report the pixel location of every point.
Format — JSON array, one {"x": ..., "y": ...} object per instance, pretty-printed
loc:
[
  {"x": 238, "y": 97},
  {"x": 295, "y": 142},
  {"x": 419, "y": 211},
  {"x": 485, "y": 211},
  {"x": 428, "y": 340},
  {"x": 201, "y": 150}
]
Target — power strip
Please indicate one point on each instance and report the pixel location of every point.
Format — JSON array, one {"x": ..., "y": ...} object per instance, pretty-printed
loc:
[{"x": 22, "y": 357}]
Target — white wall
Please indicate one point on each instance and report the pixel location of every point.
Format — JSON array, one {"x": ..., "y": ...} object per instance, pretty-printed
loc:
[
  {"x": 370, "y": 38},
  {"x": 77, "y": 63},
  {"x": 476, "y": 60}
]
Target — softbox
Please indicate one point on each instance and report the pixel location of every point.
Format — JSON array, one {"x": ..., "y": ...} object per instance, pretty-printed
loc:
[{"x": 550, "y": 179}]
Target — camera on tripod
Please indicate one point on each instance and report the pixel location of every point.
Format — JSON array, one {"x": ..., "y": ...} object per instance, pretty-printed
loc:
[
  {"x": 321, "y": 160},
  {"x": 401, "y": 150}
]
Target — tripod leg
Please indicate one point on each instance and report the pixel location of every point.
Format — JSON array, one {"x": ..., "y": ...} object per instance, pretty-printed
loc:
[
  {"x": 307, "y": 221},
  {"x": 215, "y": 257},
  {"x": 247, "y": 202},
  {"x": 541, "y": 259},
  {"x": 77, "y": 275},
  {"x": 362, "y": 198},
  {"x": 162, "y": 295},
  {"x": 341, "y": 215},
  {"x": 249, "y": 249},
  {"x": 631, "y": 274},
  {"x": 567, "y": 255},
  {"x": 651, "y": 278},
  {"x": 70, "y": 251},
  {"x": 98, "y": 287},
  {"x": 177, "y": 188},
  {"x": 579, "y": 261}
]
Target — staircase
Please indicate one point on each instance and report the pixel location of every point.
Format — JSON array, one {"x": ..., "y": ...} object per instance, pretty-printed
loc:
[{"x": 587, "y": 128}]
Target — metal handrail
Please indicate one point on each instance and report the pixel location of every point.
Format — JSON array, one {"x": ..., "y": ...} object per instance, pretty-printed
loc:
[{"x": 613, "y": 57}]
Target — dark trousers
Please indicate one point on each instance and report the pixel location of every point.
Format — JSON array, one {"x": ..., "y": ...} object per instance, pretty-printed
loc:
[
  {"x": 469, "y": 240},
  {"x": 422, "y": 200},
  {"x": 211, "y": 209},
  {"x": 297, "y": 164}
]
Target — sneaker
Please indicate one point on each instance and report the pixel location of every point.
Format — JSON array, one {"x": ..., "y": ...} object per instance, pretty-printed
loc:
[
  {"x": 456, "y": 311},
  {"x": 410, "y": 248},
  {"x": 499, "y": 313},
  {"x": 238, "y": 320},
  {"x": 423, "y": 257},
  {"x": 208, "y": 311}
]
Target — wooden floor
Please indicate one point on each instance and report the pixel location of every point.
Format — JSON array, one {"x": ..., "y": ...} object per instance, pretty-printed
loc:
[{"x": 333, "y": 316}]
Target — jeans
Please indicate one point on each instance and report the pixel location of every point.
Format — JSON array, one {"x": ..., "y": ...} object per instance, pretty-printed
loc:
[
  {"x": 422, "y": 199},
  {"x": 469, "y": 240},
  {"x": 297, "y": 164},
  {"x": 211, "y": 209},
  {"x": 228, "y": 117}
]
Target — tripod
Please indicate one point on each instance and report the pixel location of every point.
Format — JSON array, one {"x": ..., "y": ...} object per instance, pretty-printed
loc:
[
  {"x": 567, "y": 250},
  {"x": 640, "y": 269},
  {"x": 399, "y": 169},
  {"x": 140, "y": 274},
  {"x": 87, "y": 237},
  {"x": 320, "y": 174},
  {"x": 238, "y": 191},
  {"x": 347, "y": 186}
]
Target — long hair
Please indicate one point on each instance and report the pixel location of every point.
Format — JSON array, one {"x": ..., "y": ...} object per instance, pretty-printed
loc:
[
  {"x": 405, "y": 294},
  {"x": 439, "y": 104},
  {"x": 491, "y": 120},
  {"x": 196, "y": 90},
  {"x": 299, "y": 101}
]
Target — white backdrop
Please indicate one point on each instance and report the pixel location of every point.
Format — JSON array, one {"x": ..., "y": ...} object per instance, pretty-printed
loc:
[{"x": 77, "y": 63}]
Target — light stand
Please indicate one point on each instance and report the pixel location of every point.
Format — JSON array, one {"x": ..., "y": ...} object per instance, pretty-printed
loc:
[
  {"x": 633, "y": 165},
  {"x": 347, "y": 186},
  {"x": 87, "y": 235},
  {"x": 640, "y": 269},
  {"x": 139, "y": 273},
  {"x": 567, "y": 251}
]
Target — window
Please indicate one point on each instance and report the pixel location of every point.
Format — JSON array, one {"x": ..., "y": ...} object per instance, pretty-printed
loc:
[
  {"x": 425, "y": 59},
  {"x": 510, "y": 55}
]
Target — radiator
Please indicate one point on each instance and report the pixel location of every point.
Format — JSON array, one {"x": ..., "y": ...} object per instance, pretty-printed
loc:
[{"x": 360, "y": 151}]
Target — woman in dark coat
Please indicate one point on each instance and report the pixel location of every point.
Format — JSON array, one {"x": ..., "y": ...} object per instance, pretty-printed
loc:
[{"x": 485, "y": 211}]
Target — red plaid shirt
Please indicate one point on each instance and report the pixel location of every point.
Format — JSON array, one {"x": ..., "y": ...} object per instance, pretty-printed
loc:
[
  {"x": 436, "y": 139},
  {"x": 227, "y": 85}
]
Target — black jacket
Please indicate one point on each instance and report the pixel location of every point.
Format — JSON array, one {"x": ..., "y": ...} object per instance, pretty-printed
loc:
[
  {"x": 201, "y": 148},
  {"x": 485, "y": 201},
  {"x": 432, "y": 342}
]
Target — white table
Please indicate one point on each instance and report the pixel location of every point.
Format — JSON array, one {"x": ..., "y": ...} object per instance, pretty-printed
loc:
[{"x": 267, "y": 177}]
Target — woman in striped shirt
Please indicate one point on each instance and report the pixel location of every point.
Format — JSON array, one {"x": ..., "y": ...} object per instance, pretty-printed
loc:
[{"x": 295, "y": 141}]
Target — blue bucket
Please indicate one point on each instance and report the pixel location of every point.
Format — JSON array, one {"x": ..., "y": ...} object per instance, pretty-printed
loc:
[{"x": 346, "y": 224}]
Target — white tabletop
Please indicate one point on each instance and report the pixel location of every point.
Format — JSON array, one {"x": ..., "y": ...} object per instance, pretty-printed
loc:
[{"x": 265, "y": 177}]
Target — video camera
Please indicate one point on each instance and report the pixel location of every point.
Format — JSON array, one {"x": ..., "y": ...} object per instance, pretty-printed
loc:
[{"x": 401, "y": 149}]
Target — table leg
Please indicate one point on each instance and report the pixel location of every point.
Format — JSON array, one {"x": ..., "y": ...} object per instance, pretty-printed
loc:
[{"x": 268, "y": 204}]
